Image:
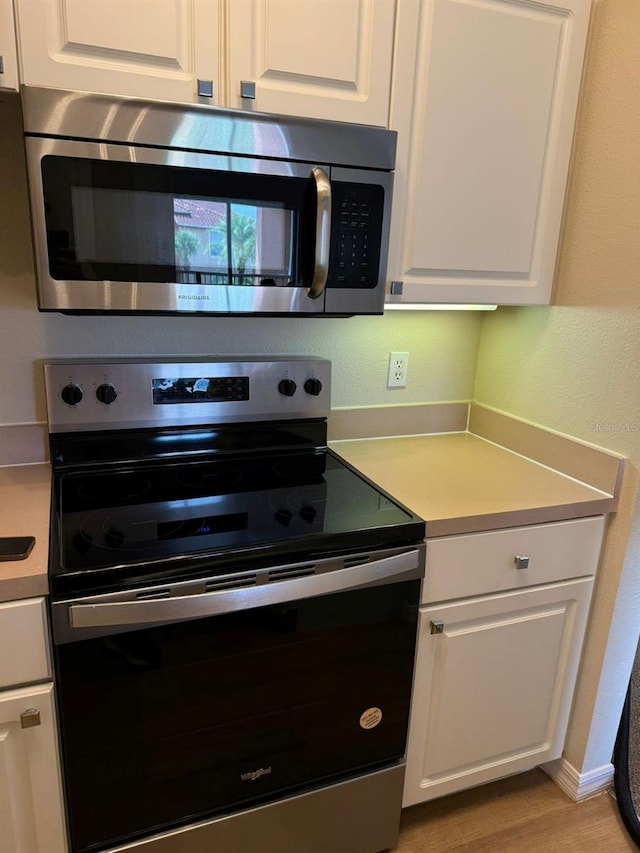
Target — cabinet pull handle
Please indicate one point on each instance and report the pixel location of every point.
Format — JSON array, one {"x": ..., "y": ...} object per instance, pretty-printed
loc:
[
  {"x": 521, "y": 562},
  {"x": 205, "y": 88},
  {"x": 30, "y": 718},
  {"x": 248, "y": 89},
  {"x": 437, "y": 627}
]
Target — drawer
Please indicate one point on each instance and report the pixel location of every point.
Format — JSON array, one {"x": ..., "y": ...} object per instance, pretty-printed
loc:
[
  {"x": 481, "y": 563},
  {"x": 24, "y": 649}
]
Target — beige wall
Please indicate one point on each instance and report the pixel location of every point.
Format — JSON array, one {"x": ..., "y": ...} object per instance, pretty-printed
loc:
[
  {"x": 576, "y": 367},
  {"x": 444, "y": 344}
]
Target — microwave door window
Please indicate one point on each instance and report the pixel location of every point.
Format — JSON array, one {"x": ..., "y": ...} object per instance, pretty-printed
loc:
[
  {"x": 123, "y": 226},
  {"x": 233, "y": 243},
  {"x": 123, "y": 221}
]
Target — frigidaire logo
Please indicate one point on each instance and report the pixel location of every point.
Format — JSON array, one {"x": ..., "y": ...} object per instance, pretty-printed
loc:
[
  {"x": 203, "y": 298},
  {"x": 252, "y": 775}
]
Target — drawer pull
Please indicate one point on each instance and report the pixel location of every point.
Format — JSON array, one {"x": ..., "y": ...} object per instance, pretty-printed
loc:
[
  {"x": 437, "y": 627},
  {"x": 30, "y": 718},
  {"x": 521, "y": 562}
]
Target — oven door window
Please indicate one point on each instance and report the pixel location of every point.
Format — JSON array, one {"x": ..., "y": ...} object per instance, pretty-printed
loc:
[
  {"x": 122, "y": 221},
  {"x": 168, "y": 725}
]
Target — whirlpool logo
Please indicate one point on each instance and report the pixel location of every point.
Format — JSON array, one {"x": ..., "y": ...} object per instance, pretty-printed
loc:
[{"x": 252, "y": 775}]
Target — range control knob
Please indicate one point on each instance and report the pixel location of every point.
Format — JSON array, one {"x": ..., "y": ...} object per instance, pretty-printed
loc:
[
  {"x": 313, "y": 387},
  {"x": 283, "y": 516},
  {"x": 71, "y": 394},
  {"x": 106, "y": 393},
  {"x": 287, "y": 387},
  {"x": 308, "y": 514}
]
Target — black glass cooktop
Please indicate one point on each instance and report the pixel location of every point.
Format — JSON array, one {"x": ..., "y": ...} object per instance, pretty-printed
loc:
[{"x": 141, "y": 520}]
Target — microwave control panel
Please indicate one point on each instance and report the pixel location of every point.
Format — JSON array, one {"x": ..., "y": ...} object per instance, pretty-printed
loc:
[{"x": 356, "y": 231}]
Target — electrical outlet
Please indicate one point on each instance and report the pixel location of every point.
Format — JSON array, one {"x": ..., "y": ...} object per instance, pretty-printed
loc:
[{"x": 398, "y": 367}]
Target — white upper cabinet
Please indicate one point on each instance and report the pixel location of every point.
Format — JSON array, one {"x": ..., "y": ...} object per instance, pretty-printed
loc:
[
  {"x": 8, "y": 59},
  {"x": 329, "y": 59},
  {"x": 484, "y": 99},
  {"x": 146, "y": 48}
]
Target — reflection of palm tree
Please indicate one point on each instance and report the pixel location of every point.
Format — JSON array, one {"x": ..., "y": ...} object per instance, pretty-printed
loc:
[
  {"x": 186, "y": 244},
  {"x": 243, "y": 242}
]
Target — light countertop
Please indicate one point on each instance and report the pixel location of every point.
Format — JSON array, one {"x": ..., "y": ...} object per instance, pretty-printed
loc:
[
  {"x": 25, "y": 494},
  {"x": 460, "y": 483}
]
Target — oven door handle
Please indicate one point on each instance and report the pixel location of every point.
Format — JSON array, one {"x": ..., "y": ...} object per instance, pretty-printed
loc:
[{"x": 394, "y": 568}]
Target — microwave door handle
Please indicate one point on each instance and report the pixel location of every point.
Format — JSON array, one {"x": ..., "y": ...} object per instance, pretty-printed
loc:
[{"x": 323, "y": 232}]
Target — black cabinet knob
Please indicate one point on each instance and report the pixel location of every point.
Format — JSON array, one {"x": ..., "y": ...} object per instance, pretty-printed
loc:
[{"x": 287, "y": 387}]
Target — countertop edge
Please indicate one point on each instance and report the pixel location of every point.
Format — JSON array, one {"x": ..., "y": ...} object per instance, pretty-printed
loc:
[
  {"x": 25, "y": 586},
  {"x": 518, "y": 518}
]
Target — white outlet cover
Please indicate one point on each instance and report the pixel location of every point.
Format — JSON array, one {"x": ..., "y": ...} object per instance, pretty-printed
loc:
[{"x": 398, "y": 368}]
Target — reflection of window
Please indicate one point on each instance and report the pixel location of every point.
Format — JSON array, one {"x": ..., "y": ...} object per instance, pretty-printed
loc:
[
  {"x": 224, "y": 242},
  {"x": 239, "y": 229}
]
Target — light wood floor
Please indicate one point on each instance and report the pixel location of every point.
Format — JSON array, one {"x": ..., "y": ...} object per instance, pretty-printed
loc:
[{"x": 527, "y": 813}]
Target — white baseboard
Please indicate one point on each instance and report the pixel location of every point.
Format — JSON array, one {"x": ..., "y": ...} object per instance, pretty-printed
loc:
[{"x": 579, "y": 786}]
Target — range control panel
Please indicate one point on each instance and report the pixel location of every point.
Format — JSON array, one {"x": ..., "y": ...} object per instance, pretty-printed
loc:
[{"x": 130, "y": 393}]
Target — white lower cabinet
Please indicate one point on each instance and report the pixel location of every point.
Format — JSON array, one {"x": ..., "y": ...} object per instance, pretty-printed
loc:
[
  {"x": 31, "y": 810},
  {"x": 495, "y": 672}
]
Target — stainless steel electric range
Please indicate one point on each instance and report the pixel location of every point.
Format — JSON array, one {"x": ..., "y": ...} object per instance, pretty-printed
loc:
[{"x": 233, "y": 612}]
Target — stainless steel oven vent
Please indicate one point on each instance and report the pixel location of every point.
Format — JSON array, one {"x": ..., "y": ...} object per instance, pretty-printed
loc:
[
  {"x": 230, "y": 583},
  {"x": 288, "y": 573},
  {"x": 356, "y": 560}
]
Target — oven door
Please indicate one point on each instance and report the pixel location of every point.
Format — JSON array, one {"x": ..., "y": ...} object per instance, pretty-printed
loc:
[{"x": 165, "y": 722}]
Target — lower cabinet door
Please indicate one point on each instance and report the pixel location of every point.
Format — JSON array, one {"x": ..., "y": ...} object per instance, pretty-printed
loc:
[
  {"x": 31, "y": 816},
  {"x": 493, "y": 686}
]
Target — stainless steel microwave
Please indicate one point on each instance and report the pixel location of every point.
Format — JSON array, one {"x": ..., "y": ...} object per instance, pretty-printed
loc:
[{"x": 162, "y": 208}]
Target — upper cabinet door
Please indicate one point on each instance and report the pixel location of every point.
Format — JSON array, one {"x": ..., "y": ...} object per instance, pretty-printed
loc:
[
  {"x": 329, "y": 59},
  {"x": 143, "y": 48},
  {"x": 484, "y": 100},
  {"x": 8, "y": 60}
]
